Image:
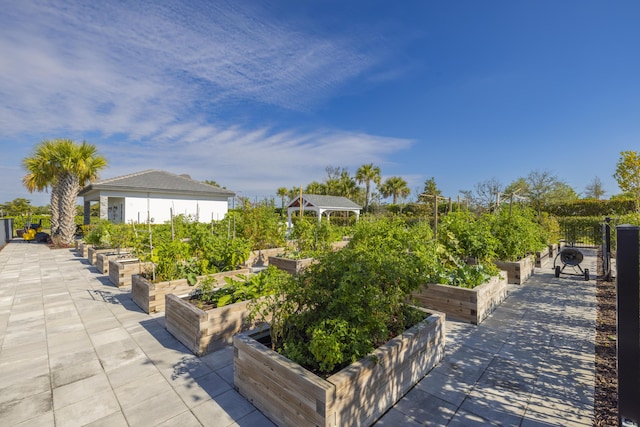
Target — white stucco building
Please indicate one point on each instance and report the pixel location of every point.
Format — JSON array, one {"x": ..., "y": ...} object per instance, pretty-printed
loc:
[{"x": 153, "y": 195}]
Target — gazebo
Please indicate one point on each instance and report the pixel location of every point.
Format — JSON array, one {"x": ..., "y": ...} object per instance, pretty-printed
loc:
[{"x": 321, "y": 205}]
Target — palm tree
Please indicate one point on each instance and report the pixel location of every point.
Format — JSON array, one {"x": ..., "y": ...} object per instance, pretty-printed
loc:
[
  {"x": 67, "y": 167},
  {"x": 41, "y": 175},
  {"x": 396, "y": 187},
  {"x": 367, "y": 174},
  {"x": 282, "y": 193}
]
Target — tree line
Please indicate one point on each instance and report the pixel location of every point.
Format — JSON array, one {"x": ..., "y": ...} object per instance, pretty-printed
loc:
[{"x": 539, "y": 188}]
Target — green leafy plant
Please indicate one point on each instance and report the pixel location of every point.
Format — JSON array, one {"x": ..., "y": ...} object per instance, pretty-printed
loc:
[
  {"x": 518, "y": 232},
  {"x": 353, "y": 300},
  {"x": 188, "y": 249},
  {"x": 99, "y": 235},
  {"x": 242, "y": 288},
  {"x": 456, "y": 272},
  {"x": 463, "y": 235},
  {"x": 260, "y": 225}
]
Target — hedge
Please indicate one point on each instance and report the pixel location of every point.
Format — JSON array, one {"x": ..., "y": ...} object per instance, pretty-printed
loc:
[{"x": 592, "y": 208}]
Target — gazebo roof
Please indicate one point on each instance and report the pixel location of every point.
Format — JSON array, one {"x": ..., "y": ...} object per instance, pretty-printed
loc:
[
  {"x": 324, "y": 202},
  {"x": 157, "y": 181}
]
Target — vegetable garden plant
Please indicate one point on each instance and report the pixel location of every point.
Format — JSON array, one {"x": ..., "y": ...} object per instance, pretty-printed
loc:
[{"x": 353, "y": 300}]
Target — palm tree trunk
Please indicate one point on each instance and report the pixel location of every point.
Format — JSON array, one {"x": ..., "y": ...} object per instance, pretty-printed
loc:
[
  {"x": 55, "y": 210},
  {"x": 366, "y": 197},
  {"x": 69, "y": 188}
]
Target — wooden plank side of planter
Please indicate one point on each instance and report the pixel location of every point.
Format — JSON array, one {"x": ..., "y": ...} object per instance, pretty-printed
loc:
[
  {"x": 453, "y": 300},
  {"x": 102, "y": 259},
  {"x": 141, "y": 291},
  {"x": 490, "y": 295},
  {"x": 470, "y": 305},
  {"x": 83, "y": 248},
  {"x": 120, "y": 271},
  {"x": 220, "y": 325},
  {"x": 183, "y": 321},
  {"x": 542, "y": 258},
  {"x": 152, "y": 298},
  {"x": 356, "y": 396},
  {"x": 291, "y": 266},
  {"x": 289, "y": 394},
  {"x": 92, "y": 254},
  {"x": 260, "y": 257},
  {"x": 519, "y": 271},
  {"x": 367, "y": 389}
]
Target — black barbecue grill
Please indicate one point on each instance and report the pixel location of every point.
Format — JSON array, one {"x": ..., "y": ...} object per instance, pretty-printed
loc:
[{"x": 570, "y": 257}]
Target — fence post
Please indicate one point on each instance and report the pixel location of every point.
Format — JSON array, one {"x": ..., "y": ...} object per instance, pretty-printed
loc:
[
  {"x": 606, "y": 249},
  {"x": 628, "y": 323}
]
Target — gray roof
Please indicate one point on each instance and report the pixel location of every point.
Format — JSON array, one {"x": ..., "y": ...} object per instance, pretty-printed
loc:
[
  {"x": 326, "y": 202},
  {"x": 156, "y": 181}
]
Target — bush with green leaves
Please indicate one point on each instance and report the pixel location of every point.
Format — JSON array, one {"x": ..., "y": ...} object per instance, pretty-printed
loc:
[
  {"x": 99, "y": 235},
  {"x": 241, "y": 288},
  {"x": 454, "y": 271},
  {"x": 464, "y": 236},
  {"x": 353, "y": 300},
  {"x": 188, "y": 249},
  {"x": 260, "y": 225},
  {"x": 312, "y": 237},
  {"x": 517, "y": 231}
]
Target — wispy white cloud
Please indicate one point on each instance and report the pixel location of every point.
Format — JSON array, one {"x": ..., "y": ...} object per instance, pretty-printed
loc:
[
  {"x": 151, "y": 81},
  {"x": 109, "y": 66},
  {"x": 255, "y": 162}
]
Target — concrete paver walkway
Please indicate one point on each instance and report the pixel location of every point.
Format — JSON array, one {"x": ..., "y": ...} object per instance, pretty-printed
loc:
[{"x": 75, "y": 350}]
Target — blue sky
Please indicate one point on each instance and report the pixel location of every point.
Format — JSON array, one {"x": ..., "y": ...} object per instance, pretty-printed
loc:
[{"x": 262, "y": 94}]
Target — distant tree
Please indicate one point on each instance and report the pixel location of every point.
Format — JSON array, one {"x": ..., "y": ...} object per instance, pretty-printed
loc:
[
  {"x": 283, "y": 193},
  {"x": 395, "y": 187},
  {"x": 628, "y": 174},
  {"x": 340, "y": 182},
  {"x": 520, "y": 187},
  {"x": 368, "y": 174},
  {"x": 595, "y": 189},
  {"x": 213, "y": 183},
  {"x": 488, "y": 193},
  {"x": 468, "y": 198},
  {"x": 295, "y": 192},
  {"x": 16, "y": 207},
  {"x": 541, "y": 186},
  {"x": 315, "y": 188},
  {"x": 561, "y": 193},
  {"x": 430, "y": 189}
]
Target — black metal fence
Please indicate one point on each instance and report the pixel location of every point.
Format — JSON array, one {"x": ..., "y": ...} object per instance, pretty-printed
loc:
[
  {"x": 628, "y": 323},
  {"x": 582, "y": 234}
]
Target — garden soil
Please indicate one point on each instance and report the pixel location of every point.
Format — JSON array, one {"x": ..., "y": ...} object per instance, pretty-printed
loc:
[{"x": 606, "y": 378}]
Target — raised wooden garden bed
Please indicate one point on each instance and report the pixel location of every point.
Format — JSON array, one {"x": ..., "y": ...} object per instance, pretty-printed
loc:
[
  {"x": 260, "y": 257},
  {"x": 553, "y": 251},
  {"x": 102, "y": 259},
  {"x": 204, "y": 331},
  {"x": 358, "y": 395},
  {"x": 151, "y": 296},
  {"x": 83, "y": 248},
  {"x": 121, "y": 270},
  {"x": 291, "y": 266},
  {"x": 543, "y": 258},
  {"x": 470, "y": 305},
  {"x": 92, "y": 253},
  {"x": 519, "y": 271}
]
